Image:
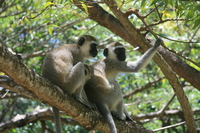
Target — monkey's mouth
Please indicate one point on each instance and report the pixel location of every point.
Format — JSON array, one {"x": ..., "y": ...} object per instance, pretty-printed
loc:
[{"x": 121, "y": 58}]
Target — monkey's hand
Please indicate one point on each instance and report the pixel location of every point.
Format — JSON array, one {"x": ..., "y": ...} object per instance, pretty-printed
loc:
[
  {"x": 93, "y": 106},
  {"x": 158, "y": 43}
]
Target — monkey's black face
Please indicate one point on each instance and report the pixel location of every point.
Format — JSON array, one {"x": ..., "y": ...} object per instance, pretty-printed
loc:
[
  {"x": 93, "y": 49},
  {"x": 121, "y": 54}
]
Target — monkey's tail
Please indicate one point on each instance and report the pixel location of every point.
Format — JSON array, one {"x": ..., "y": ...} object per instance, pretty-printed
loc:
[
  {"x": 57, "y": 119},
  {"x": 107, "y": 115}
]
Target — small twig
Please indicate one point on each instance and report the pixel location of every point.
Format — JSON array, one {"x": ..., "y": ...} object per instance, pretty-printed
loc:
[
  {"x": 5, "y": 94},
  {"x": 195, "y": 32},
  {"x": 148, "y": 85},
  {"x": 171, "y": 126},
  {"x": 149, "y": 13},
  {"x": 38, "y": 14},
  {"x": 163, "y": 21},
  {"x": 122, "y": 4},
  {"x": 176, "y": 40},
  {"x": 186, "y": 58},
  {"x": 168, "y": 103},
  {"x": 159, "y": 15}
]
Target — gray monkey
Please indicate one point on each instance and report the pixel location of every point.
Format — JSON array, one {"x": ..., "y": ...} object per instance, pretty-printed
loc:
[
  {"x": 64, "y": 67},
  {"x": 103, "y": 90}
]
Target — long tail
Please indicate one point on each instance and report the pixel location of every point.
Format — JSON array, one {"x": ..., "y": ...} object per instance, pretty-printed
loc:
[
  {"x": 57, "y": 119},
  {"x": 107, "y": 115}
]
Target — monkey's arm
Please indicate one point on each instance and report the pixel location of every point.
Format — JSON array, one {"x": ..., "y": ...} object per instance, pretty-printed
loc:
[{"x": 143, "y": 60}]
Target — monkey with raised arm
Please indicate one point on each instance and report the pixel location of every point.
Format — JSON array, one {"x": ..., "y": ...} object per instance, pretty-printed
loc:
[
  {"x": 103, "y": 89},
  {"x": 64, "y": 67}
]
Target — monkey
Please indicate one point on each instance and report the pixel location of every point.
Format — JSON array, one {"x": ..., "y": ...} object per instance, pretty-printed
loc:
[
  {"x": 63, "y": 66},
  {"x": 102, "y": 88}
]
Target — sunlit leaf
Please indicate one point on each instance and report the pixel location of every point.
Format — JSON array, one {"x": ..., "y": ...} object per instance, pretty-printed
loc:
[
  {"x": 50, "y": 30},
  {"x": 56, "y": 26},
  {"x": 26, "y": 19},
  {"x": 32, "y": 15},
  {"x": 84, "y": 7},
  {"x": 166, "y": 14},
  {"x": 48, "y": 4}
]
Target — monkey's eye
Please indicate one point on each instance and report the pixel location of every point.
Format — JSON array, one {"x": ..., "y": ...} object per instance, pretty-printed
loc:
[{"x": 119, "y": 50}]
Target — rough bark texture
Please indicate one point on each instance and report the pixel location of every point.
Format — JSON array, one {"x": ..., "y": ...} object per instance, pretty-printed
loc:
[
  {"x": 126, "y": 30},
  {"x": 50, "y": 93}
]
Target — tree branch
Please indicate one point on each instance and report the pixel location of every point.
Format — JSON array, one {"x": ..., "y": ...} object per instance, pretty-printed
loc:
[
  {"x": 127, "y": 95},
  {"x": 50, "y": 93}
]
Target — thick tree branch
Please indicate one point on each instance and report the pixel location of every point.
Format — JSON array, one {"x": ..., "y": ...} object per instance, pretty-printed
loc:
[
  {"x": 50, "y": 93},
  {"x": 8, "y": 83},
  {"x": 166, "y": 69}
]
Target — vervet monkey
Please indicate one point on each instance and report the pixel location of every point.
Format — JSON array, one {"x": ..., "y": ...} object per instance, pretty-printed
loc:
[
  {"x": 64, "y": 67},
  {"x": 102, "y": 87}
]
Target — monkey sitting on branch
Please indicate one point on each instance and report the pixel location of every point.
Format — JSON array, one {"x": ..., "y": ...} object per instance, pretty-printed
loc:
[
  {"x": 64, "y": 67},
  {"x": 102, "y": 88}
]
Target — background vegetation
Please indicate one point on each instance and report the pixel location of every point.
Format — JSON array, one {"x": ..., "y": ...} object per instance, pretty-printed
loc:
[{"x": 31, "y": 28}]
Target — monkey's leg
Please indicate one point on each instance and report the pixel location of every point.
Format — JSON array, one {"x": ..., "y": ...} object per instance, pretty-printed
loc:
[
  {"x": 75, "y": 82},
  {"x": 84, "y": 97},
  {"x": 120, "y": 111},
  {"x": 57, "y": 119},
  {"x": 107, "y": 115},
  {"x": 128, "y": 118}
]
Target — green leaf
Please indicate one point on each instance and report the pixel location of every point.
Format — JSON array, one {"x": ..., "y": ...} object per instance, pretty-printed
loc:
[
  {"x": 85, "y": 7},
  {"x": 154, "y": 2},
  {"x": 171, "y": 2},
  {"x": 143, "y": 3},
  {"x": 197, "y": 7},
  {"x": 50, "y": 30},
  {"x": 48, "y": 4},
  {"x": 196, "y": 23},
  {"x": 166, "y": 14},
  {"x": 56, "y": 26}
]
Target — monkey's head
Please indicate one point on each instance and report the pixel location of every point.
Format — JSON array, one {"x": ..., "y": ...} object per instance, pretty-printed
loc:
[
  {"x": 115, "y": 51},
  {"x": 88, "y": 46}
]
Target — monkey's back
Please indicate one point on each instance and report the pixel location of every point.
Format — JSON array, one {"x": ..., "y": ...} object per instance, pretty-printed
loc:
[{"x": 59, "y": 62}]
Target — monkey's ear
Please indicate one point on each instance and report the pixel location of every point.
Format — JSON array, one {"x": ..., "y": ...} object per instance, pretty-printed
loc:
[
  {"x": 105, "y": 52},
  {"x": 81, "y": 41}
]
